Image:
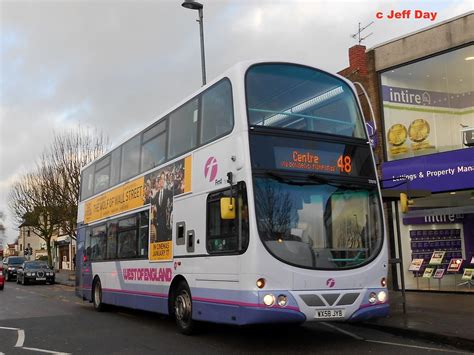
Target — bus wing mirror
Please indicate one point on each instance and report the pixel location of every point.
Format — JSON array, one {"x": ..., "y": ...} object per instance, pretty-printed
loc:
[
  {"x": 227, "y": 208},
  {"x": 404, "y": 202}
]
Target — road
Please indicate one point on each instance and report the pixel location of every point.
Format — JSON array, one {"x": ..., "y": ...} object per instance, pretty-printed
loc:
[{"x": 37, "y": 319}]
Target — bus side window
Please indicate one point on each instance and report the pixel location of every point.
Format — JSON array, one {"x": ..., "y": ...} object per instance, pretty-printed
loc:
[
  {"x": 180, "y": 233},
  {"x": 143, "y": 234},
  {"x": 217, "y": 112},
  {"x": 227, "y": 235},
  {"x": 87, "y": 251},
  {"x": 112, "y": 228},
  {"x": 98, "y": 243}
]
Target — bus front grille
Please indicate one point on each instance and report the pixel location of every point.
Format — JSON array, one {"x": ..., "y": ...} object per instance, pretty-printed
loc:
[{"x": 329, "y": 299}]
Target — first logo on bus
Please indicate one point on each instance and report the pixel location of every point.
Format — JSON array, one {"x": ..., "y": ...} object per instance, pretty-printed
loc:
[{"x": 210, "y": 169}]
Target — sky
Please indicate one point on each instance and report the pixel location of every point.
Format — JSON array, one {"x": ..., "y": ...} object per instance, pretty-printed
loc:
[{"x": 114, "y": 66}]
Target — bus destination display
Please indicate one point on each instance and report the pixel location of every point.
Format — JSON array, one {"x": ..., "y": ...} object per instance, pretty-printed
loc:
[{"x": 315, "y": 161}]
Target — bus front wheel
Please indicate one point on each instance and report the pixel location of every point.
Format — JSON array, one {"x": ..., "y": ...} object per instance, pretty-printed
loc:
[
  {"x": 183, "y": 309},
  {"x": 97, "y": 296}
]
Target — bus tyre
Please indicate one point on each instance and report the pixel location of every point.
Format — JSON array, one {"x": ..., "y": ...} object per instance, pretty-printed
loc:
[
  {"x": 97, "y": 296},
  {"x": 183, "y": 309}
]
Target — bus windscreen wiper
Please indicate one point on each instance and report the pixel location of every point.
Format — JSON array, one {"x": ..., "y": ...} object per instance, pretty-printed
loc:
[
  {"x": 284, "y": 180},
  {"x": 323, "y": 180}
]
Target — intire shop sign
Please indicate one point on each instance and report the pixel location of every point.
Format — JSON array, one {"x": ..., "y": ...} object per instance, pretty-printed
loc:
[{"x": 447, "y": 171}]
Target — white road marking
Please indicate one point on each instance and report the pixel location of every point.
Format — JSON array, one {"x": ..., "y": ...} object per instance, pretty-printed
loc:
[
  {"x": 352, "y": 335},
  {"x": 415, "y": 346},
  {"x": 21, "y": 338},
  {"x": 8, "y": 328},
  {"x": 46, "y": 351},
  {"x": 357, "y": 337}
]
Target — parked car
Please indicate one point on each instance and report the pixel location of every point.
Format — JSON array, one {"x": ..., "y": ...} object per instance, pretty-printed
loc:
[
  {"x": 35, "y": 272},
  {"x": 2, "y": 281},
  {"x": 10, "y": 266}
]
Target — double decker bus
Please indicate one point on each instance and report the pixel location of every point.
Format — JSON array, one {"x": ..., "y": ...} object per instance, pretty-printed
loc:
[{"x": 255, "y": 200}]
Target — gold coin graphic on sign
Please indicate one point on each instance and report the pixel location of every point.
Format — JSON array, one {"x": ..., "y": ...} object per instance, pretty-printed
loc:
[
  {"x": 397, "y": 134},
  {"x": 419, "y": 130}
]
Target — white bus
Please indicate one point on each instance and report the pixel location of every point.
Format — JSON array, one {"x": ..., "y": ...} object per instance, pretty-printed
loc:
[{"x": 255, "y": 200}]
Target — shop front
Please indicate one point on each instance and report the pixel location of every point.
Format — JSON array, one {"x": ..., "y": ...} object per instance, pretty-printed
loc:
[{"x": 428, "y": 119}]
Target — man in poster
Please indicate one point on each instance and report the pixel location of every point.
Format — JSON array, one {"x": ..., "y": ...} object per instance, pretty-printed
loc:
[{"x": 161, "y": 202}]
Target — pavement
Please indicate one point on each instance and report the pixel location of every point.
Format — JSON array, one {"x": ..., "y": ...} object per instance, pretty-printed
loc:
[
  {"x": 440, "y": 317},
  {"x": 66, "y": 277}
]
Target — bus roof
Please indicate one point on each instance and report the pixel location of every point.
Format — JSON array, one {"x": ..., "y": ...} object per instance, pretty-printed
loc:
[{"x": 237, "y": 68}]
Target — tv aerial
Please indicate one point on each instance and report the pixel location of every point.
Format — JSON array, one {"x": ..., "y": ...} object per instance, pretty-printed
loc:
[{"x": 358, "y": 34}]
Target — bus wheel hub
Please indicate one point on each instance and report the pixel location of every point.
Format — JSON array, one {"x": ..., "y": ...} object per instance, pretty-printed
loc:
[{"x": 183, "y": 306}]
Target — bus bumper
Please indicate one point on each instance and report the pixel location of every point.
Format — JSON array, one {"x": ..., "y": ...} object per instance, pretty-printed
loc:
[{"x": 377, "y": 311}]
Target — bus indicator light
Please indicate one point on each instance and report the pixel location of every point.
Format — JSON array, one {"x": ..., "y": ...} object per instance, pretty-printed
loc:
[{"x": 261, "y": 283}]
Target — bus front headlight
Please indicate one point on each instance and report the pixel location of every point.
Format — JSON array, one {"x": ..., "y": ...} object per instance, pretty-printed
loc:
[
  {"x": 372, "y": 298},
  {"x": 269, "y": 300},
  {"x": 382, "y": 296}
]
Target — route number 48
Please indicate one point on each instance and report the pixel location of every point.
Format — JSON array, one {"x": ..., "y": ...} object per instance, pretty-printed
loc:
[{"x": 344, "y": 163}]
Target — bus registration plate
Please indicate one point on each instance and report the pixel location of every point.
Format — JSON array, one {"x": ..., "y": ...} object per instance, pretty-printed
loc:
[{"x": 330, "y": 314}]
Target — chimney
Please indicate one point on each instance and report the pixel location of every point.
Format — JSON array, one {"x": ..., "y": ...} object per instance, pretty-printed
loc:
[{"x": 357, "y": 59}]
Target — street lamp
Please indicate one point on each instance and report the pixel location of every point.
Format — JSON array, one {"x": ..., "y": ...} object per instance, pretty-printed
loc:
[{"x": 194, "y": 5}]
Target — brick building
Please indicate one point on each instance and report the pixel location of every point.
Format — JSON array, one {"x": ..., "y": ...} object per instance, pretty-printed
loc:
[{"x": 421, "y": 88}]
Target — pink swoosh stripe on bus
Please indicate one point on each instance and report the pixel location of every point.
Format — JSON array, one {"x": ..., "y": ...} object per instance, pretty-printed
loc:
[
  {"x": 208, "y": 300},
  {"x": 136, "y": 292},
  {"x": 243, "y": 304}
]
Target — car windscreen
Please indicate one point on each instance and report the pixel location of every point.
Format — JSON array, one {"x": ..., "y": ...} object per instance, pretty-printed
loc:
[
  {"x": 15, "y": 261},
  {"x": 36, "y": 266}
]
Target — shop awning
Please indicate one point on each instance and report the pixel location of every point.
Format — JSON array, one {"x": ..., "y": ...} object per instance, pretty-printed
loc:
[{"x": 63, "y": 240}]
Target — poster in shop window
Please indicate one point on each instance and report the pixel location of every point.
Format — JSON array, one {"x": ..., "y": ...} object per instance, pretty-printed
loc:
[
  {"x": 468, "y": 273},
  {"x": 428, "y": 272},
  {"x": 437, "y": 258},
  {"x": 439, "y": 273},
  {"x": 454, "y": 265},
  {"x": 416, "y": 265}
]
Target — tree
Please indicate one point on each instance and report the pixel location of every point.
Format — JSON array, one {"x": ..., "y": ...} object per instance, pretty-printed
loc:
[
  {"x": 32, "y": 203},
  {"x": 46, "y": 199},
  {"x": 68, "y": 154},
  {"x": 2, "y": 231}
]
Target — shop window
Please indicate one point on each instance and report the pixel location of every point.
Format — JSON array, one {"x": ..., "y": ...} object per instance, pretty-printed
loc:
[{"x": 428, "y": 105}]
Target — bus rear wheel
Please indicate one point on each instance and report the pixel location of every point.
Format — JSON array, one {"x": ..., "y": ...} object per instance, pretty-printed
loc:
[
  {"x": 183, "y": 309},
  {"x": 97, "y": 296}
]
